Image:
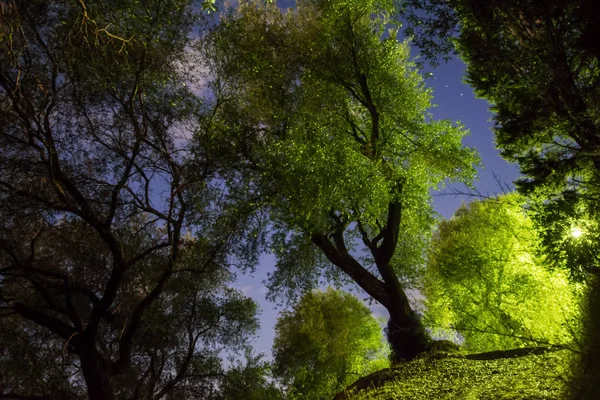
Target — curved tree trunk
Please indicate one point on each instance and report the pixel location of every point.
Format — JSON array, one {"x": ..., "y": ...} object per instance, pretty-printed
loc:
[{"x": 406, "y": 334}]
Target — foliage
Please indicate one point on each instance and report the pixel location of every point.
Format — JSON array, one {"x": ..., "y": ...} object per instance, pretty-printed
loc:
[
  {"x": 432, "y": 25},
  {"x": 332, "y": 122},
  {"x": 298, "y": 91},
  {"x": 532, "y": 377},
  {"x": 328, "y": 341},
  {"x": 542, "y": 76},
  {"x": 249, "y": 380},
  {"x": 537, "y": 63},
  {"x": 486, "y": 279},
  {"x": 583, "y": 381},
  {"x": 557, "y": 220},
  {"x": 320, "y": 149},
  {"x": 111, "y": 282}
]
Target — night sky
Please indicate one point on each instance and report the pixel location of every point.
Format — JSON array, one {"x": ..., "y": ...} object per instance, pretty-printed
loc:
[{"x": 455, "y": 100}]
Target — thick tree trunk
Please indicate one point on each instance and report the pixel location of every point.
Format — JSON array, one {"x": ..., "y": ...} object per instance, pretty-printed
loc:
[
  {"x": 97, "y": 376},
  {"x": 406, "y": 334}
]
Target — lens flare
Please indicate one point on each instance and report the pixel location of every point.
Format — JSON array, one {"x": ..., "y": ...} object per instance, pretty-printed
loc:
[{"x": 576, "y": 232}]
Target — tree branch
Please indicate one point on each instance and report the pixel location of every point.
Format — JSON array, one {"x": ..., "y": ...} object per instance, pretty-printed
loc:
[
  {"x": 54, "y": 325},
  {"x": 126, "y": 341},
  {"x": 386, "y": 251},
  {"x": 373, "y": 286}
]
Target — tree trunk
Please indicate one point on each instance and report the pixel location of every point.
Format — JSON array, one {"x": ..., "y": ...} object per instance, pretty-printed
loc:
[
  {"x": 586, "y": 384},
  {"x": 405, "y": 333},
  {"x": 97, "y": 376}
]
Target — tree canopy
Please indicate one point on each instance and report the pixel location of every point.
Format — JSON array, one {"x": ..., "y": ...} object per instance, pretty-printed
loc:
[
  {"x": 126, "y": 196},
  {"x": 537, "y": 63},
  {"x": 331, "y": 117},
  {"x": 114, "y": 241},
  {"x": 325, "y": 343},
  {"x": 486, "y": 280}
]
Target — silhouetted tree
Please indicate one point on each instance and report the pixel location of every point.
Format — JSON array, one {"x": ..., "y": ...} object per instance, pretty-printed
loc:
[{"x": 113, "y": 241}]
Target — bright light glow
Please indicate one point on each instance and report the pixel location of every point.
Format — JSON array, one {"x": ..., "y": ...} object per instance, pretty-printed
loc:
[{"x": 576, "y": 232}]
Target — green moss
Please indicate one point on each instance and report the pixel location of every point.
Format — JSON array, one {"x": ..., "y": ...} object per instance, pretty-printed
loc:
[{"x": 533, "y": 377}]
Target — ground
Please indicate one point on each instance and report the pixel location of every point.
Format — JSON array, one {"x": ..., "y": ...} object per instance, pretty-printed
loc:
[{"x": 506, "y": 376}]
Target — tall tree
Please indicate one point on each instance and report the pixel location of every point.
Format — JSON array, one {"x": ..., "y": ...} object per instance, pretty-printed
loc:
[
  {"x": 252, "y": 380},
  {"x": 111, "y": 283},
  {"x": 538, "y": 63},
  {"x": 332, "y": 120},
  {"x": 486, "y": 280},
  {"x": 325, "y": 343}
]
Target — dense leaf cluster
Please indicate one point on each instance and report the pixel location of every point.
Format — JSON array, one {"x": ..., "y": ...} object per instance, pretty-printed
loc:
[
  {"x": 327, "y": 342},
  {"x": 487, "y": 281},
  {"x": 454, "y": 377}
]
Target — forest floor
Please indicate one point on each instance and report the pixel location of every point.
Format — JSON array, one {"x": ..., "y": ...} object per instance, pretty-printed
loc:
[{"x": 493, "y": 376}]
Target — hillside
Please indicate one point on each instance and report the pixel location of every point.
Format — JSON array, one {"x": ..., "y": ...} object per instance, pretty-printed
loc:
[{"x": 515, "y": 375}]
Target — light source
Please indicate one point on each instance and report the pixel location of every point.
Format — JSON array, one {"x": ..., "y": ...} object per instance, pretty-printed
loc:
[{"x": 576, "y": 232}]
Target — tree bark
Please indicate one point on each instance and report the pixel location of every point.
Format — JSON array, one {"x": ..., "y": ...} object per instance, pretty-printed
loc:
[
  {"x": 97, "y": 376},
  {"x": 405, "y": 331}
]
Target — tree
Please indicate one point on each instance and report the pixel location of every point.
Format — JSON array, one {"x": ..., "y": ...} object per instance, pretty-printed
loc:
[
  {"x": 251, "y": 380},
  {"x": 325, "y": 343},
  {"x": 537, "y": 62},
  {"x": 112, "y": 281},
  {"x": 332, "y": 122},
  {"x": 486, "y": 280},
  {"x": 539, "y": 54},
  {"x": 547, "y": 55}
]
